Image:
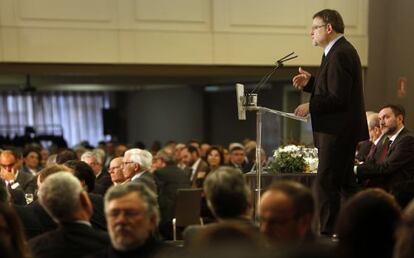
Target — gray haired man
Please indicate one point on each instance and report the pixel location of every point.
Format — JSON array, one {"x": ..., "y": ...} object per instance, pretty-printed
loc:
[
  {"x": 132, "y": 213},
  {"x": 136, "y": 165},
  {"x": 64, "y": 199}
]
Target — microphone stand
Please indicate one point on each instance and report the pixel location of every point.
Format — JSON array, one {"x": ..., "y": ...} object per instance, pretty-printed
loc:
[{"x": 250, "y": 104}]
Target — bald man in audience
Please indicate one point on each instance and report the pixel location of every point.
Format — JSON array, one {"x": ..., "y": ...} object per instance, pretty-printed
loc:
[
  {"x": 286, "y": 214},
  {"x": 115, "y": 171}
]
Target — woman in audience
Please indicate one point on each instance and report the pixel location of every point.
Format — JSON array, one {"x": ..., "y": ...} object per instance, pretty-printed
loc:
[
  {"x": 366, "y": 225},
  {"x": 11, "y": 233},
  {"x": 215, "y": 159}
]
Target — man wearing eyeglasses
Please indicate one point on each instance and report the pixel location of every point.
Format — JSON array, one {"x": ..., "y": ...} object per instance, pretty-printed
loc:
[
  {"x": 132, "y": 213},
  {"x": 337, "y": 111},
  {"x": 12, "y": 177},
  {"x": 136, "y": 165}
]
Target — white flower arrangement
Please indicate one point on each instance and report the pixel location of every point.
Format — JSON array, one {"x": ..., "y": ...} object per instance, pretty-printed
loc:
[{"x": 294, "y": 158}]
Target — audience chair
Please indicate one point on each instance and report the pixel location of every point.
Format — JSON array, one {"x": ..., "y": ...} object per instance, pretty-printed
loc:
[{"x": 187, "y": 209}]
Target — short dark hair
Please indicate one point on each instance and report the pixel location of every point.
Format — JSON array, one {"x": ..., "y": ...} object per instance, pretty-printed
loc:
[
  {"x": 227, "y": 192},
  {"x": 83, "y": 172},
  {"x": 300, "y": 195},
  {"x": 65, "y": 155},
  {"x": 333, "y": 18},
  {"x": 192, "y": 149},
  {"x": 396, "y": 109},
  {"x": 366, "y": 224}
]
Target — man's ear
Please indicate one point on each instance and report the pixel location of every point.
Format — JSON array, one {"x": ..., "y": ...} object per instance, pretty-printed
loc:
[
  {"x": 329, "y": 28},
  {"x": 86, "y": 202}
]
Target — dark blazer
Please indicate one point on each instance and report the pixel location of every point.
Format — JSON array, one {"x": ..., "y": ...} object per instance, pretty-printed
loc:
[
  {"x": 339, "y": 122},
  {"x": 148, "y": 179},
  {"x": 337, "y": 103},
  {"x": 397, "y": 167},
  {"x": 151, "y": 249},
  {"x": 102, "y": 183},
  {"x": 168, "y": 180},
  {"x": 69, "y": 240},
  {"x": 37, "y": 221},
  {"x": 27, "y": 182},
  {"x": 202, "y": 167}
]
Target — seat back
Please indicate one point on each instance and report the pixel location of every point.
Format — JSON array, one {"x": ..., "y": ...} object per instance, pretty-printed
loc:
[{"x": 187, "y": 207}]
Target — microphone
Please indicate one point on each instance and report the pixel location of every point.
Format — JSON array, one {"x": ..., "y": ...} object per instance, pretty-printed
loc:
[{"x": 279, "y": 63}]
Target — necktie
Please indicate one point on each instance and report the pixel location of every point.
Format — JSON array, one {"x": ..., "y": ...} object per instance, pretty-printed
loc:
[
  {"x": 371, "y": 152},
  {"x": 385, "y": 149}
]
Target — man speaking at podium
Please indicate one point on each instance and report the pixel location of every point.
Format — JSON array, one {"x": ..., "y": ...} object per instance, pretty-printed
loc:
[{"x": 337, "y": 112}]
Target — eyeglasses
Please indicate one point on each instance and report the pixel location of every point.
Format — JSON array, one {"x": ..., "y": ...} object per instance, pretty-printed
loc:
[
  {"x": 128, "y": 213},
  {"x": 127, "y": 162},
  {"x": 8, "y": 166},
  {"x": 313, "y": 28},
  {"x": 113, "y": 168}
]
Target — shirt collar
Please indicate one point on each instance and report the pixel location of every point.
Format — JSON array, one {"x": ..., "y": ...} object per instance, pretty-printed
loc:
[
  {"x": 137, "y": 175},
  {"x": 330, "y": 45},
  {"x": 392, "y": 138},
  {"x": 378, "y": 140},
  {"x": 195, "y": 165}
]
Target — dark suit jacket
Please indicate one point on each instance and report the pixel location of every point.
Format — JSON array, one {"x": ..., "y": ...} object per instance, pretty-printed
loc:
[
  {"x": 69, "y": 240},
  {"x": 102, "y": 183},
  {"x": 148, "y": 179},
  {"x": 27, "y": 182},
  {"x": 397, "y": 167},
  {"x": 169, "y": 179},
  {"x": 151, "y": 249},
  {"x": 202, "y": 167},
  {"x": 37, "y": 221},
  {"x": 337, "y": 103}
]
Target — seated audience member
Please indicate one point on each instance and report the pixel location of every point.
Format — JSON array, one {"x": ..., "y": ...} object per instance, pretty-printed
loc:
[
  {"x": 366, "y": 149},
  {"x": 120, "y": 150},
  {"x": 132, "y": 213},
  {"x": 194, "y": 165},
  {"x": 396, "y": 163},
  {"x": 11, "y": 174},
  {"x": 228, "y": 198},
  {"x": 215, "y": 159},
  {"x": 11, "y": 233},
  {"x": 251, "y": 157},
  {"x": 31, "y": 161},
  {"x": 136, "y": 164},
  {"x": 85, "y": 174},
  {"x": 404, "y": 246},
  {"x": 33, "y": 216},
  {"x": 115, "y": 171},
  {"x": 177, "y": 154},
  {"x": 169, "y": 179},
  {"x": 64, "y": 199},
  {"x": 286, "y": 215},
  {"x": 66, "y": 155},
  {"x": 203, "y": 149},
  {"x": 228, "y": 239},
  {"x": 95, "y": 160},
  {"x": 238, "y": 157},
  {"x": 366, "y": 225}
]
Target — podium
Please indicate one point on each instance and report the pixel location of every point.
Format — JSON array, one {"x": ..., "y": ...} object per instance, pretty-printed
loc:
[{"x": 248, "y": 102}]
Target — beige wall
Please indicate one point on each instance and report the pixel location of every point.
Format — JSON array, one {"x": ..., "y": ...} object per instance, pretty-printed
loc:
[
  {"x": 241, "y": 32},
  {"x": 391, "y": 55}
]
